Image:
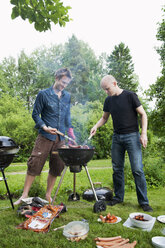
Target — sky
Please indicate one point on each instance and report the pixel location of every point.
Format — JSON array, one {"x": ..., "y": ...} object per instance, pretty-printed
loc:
[{"x": 100, "y": 23}]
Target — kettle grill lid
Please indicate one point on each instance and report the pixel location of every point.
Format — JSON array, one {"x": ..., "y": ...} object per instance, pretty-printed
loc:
[
  {"x": 6, "y": 142},
  {"x": 103, "y": 193}
]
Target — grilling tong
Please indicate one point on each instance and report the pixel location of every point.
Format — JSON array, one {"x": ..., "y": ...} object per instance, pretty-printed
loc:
[{"x": 65, "y": 136}]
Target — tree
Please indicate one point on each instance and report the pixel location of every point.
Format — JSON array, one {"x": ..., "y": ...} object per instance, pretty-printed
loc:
[
  {"x": 27, "y": 79},
  {"x": 157, "y": 90},
  {"x": 86, "y": 70},
  {"x": 161, "y": 36},
  {"x": 9, "y": 72},
  {"x": 3, "y": 85},
  {"x": 34, "y": 72},
  {"x": 120, "y": 65},
  {"x": 31, "y": 73},
  {"x": 48, "y": 60},
  {"x": 41, "y": 12}
]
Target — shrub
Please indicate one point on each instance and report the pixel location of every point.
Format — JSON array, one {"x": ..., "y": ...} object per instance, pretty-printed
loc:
[
  {"x": 16, "y": 122},
  {"x": 154, "y": 169}
]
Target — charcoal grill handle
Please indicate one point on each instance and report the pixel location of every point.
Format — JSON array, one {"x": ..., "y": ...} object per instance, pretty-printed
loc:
[
  {"x": 90, "y": 137},
  {"x": 62, "y": 134},
  {"x": 58, "y": 132},
  {"x": 67, "y": 137}
]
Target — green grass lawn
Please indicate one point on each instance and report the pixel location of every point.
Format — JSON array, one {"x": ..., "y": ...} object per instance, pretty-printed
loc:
[
  {"x": 100, "y": 171},
  {"x": 15, "y": 167}
]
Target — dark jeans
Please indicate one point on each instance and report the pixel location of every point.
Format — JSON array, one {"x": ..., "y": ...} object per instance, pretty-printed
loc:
[{"x": 131, "y": 144}]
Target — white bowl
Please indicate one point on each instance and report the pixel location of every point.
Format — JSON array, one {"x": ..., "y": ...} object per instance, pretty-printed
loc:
[
  {"x": 158, "y": 241},
  {"x": 140, "y": 223},
  {"x": 76, "y": 229}
]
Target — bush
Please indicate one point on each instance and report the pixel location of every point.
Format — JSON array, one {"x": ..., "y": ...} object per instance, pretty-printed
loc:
[
  {"x": 16, "y": 122},
  {"x": 155, "y": 147},
  {"x": 154, "y": 170}
]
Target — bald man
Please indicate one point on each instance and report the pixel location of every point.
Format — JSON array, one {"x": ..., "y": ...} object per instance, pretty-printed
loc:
[{"x": 124, "y": 107}]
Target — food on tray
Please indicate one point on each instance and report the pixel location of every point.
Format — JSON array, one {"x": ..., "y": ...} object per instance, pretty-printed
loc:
[
  {"x": 114, "y": 242},
  {"x": 108, "y": 218},
  {"x": 79, "y": 146},
  {"x": 76, "y": 230},
  {"x": 64, "y": 146},
  {"x": 107, "y": 239},
  {"x": 75, "y": 146},
  {"x": 77, "y": 239},
  {"x": 140, "y": 217},
  {"x": 41, "y": 221}
]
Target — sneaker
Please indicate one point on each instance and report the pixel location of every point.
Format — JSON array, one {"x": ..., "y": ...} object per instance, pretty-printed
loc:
[
  {"x": 113, "y": 202},
  {"x": 147, "y": 208}
]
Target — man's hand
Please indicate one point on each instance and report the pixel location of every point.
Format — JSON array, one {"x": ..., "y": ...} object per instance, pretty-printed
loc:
[
  {"x": 50, "y": 130},
  {"x": 70, "y": 133},
  {"x": 100, "y": 123},
  {"x": 143, "y": 140},
  {"x": 93, "y": 130}
]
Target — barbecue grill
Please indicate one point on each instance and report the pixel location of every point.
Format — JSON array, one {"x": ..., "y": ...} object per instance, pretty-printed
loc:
[
  {"x": 8, "y": 149},
  {"x": 75, "y": 158}
]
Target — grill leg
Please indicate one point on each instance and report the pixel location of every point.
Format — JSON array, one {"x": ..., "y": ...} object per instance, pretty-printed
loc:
[
  {"x": 74, "y": 196},
  {"x": 7, "y": 188},
  {"x": 74, "y": 184},
  {"x": 93, "y": 189},
  {"x": 60, "y": 182}
]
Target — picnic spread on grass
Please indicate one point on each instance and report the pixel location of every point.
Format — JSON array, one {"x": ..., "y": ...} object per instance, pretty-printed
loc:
[{"x": 40, "y": 214}]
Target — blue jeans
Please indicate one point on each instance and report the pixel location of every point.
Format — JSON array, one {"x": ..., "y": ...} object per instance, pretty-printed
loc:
[{"x": 130, "y": 143}]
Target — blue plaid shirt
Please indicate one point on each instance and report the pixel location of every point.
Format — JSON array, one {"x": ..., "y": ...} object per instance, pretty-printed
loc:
[{"x": 52, "y": 111}]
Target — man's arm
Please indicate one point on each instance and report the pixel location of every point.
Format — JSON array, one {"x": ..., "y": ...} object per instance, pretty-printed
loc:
[
  {"x": 100, "y": 123},
  {"x": 143, "y": 138},
  {"x": 38, "y": 106}
]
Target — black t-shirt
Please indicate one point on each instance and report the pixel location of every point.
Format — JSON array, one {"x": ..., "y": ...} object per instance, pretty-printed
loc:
[{"x": 123, "y": 111}]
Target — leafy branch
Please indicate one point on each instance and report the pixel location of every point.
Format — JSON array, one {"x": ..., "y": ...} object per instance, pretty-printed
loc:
[{"x": 41, "y": 12}]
